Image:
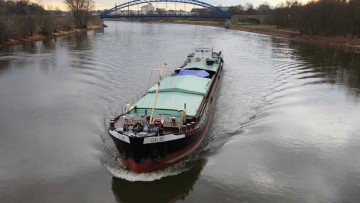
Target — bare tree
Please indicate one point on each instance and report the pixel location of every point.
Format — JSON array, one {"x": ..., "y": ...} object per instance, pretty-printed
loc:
[
  {"x": 29, "y": 25},
  {"x": 46, "y": 24},
  {"x": 250, "y": 9},
  {"x": 236, "y": 10},
  {"x": 80, "y": 10},
  {"x": 264, "y": 9}
]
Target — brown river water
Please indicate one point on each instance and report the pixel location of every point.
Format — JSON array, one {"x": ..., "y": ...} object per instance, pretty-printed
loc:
[{"x": 286, "y": 126}]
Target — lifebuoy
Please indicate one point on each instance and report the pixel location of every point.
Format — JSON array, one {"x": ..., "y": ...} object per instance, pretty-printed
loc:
[
  {"x": 198, "y": 59},
  {"x": 158, "y": 123}
]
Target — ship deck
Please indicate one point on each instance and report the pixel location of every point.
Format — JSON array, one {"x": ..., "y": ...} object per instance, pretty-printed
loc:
[{"x": 188, "y": 87}]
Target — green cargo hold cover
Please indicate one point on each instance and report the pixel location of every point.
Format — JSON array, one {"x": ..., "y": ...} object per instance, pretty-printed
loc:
[
  {"x": 177, "y": 90},
  {"x": 169, "y": 103},
  {"x": 185, "y": 84}
]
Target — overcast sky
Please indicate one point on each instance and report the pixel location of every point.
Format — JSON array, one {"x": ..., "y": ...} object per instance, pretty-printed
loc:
[{"x": 106, "y": 4}]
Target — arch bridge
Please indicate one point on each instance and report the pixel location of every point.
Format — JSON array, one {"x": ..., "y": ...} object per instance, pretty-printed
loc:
[{"x": 215, "y": 12}]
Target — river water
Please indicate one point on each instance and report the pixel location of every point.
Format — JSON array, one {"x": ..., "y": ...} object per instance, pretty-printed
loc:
[{"x": 286, "y": 126}]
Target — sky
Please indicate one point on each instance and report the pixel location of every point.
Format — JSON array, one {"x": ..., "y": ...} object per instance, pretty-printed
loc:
[{"x": 107, "y": 4}]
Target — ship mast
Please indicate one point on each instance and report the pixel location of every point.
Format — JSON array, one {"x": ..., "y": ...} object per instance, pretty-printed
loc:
[{"x": 157, "y": 93}]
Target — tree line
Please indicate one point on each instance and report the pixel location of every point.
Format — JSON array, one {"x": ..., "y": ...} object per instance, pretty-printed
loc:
[
  {"x": 23, "y": 18},
  {"x": 317, "y": 17},
  {"x": 322, "y": 17},
  {"x": 250, "y": 9}
]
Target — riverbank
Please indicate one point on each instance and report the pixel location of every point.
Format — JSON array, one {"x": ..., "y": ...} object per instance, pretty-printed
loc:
[
  {"x": 39, "y": 37},
  {"x": 349, "y": 44}
]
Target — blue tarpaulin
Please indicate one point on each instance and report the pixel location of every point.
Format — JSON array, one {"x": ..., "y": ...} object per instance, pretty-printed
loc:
[{"x": 199, "y": 73}]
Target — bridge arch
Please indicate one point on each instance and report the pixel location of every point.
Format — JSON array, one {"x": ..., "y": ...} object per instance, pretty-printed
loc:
[
  {"x": 223, "y": 14},
  {"x": 255, "y": 19}
]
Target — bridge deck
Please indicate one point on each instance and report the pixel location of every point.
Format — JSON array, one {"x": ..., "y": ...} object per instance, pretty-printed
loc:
[{"x": 163, "y": 16}]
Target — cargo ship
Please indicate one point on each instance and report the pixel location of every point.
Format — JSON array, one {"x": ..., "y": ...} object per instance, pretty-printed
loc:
[{"x": 169, "y": 121}]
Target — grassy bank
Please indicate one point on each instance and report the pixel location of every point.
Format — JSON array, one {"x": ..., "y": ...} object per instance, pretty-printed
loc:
[{"x": 347, "y": 43}]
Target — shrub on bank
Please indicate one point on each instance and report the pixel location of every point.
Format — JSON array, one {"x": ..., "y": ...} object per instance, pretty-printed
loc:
[{"x": 24, "y": 19}]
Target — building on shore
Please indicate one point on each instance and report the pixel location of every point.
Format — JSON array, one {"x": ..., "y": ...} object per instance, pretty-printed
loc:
[
  {"x": 160, "y": 11},
  {"x": 147, "y": 9}
]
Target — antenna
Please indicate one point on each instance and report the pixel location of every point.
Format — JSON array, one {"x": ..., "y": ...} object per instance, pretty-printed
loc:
[{"x": 157, "y": 91}]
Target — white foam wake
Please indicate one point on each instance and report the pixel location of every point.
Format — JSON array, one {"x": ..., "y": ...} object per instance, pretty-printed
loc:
[{"x": 120, "y": 172}]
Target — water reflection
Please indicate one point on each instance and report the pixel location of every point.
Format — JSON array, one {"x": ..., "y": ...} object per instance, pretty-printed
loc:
[
  {"x": 167, "y": 189},
  {"x": 4, "y": 64},
  {"x": 82, "y": 42},
  {"x": 334, "y": 65}
]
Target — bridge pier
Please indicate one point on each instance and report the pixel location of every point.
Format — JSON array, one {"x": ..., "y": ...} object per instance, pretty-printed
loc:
[{"x": 228, "y": 23}]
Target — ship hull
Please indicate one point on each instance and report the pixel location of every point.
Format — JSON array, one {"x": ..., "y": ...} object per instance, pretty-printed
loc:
[
  {"x": 141, "y": 158},
  {"x": 163, "y": 157}
]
